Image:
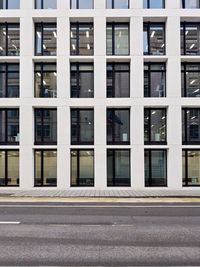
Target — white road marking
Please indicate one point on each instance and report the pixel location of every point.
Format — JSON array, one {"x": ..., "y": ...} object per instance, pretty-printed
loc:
[{"x": 10, "y": 222}]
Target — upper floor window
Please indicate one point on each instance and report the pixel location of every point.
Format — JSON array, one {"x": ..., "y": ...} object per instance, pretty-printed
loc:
[
  {"x": 9, "y": 4},
  {"x": 45, "y": 39},
  {"x": 117, "y": 4},
  {"x": 82, "y": 4},
  {"x": 117, "y": 39},
  {"x": 9, "y": 126},
  {"x": 45, "y": 126},
  {"x": 190, "y": 38},
  {"x": 9, "y": 39},
  {"x": 82, "y": 126},
  {"x": 154, "y": 80},
  {"x": 82, "y": 39},
  {"x": 155, "y": 126},
  {"x": 118, "y": 79},
  {"x": 9, "y": 167},
  {"x": 154, "y": 3},
  {"x": 191, "y": 167},
  {"x": 9, "y": 80},
  {"x": 154, "y": 39},
  {"x": 191, "y": 126},
  {"x": 45, "y": 80},
  {"x": 118, "y": 126},
  {"x": 190, "y": 79},
  {"x": 82, "y": 80},
  {"x": 45, "y": 4},
  {"x": 190, "y": 3}
]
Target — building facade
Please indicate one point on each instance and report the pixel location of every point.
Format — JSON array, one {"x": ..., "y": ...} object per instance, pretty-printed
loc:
[{"x": 100, "y": 94}]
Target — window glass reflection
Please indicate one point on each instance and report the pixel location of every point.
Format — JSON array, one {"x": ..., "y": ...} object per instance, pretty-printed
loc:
[
  {"x": 46, "y": 4},
  {"x": 153, "y": 3},
  {"x": 9, "y": 39},
  {"x": 190, "y": 39},
  {"x": 191, "y": 126},
  {"x": 117, "y": 4},
  {"x": 190, "y": 80},
  {"x": 9, "y": 4},
  {"x": 190, "y": 3},
  {"x": 9, "y": 80},
  {"x": 191, "y": 167}
]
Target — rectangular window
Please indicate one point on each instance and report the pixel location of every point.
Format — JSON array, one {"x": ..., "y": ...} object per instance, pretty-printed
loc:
[
  {"x": 9, "y": 80},
  {"x": 190, "y": 79},
  {"x": 82, "y": 80},
  {"x": 9, "y": 39},
  {"x": 45, "y": 4},
  {"x": 45, "y": 126},
  {"x": 82, "y": 126},
  {"x": 117, "y": 4},
  {"x": 155, "y": 126},
  {"x": 82, "y": 167},
  {"x": 117, "y": 39},
  {"x": 82, "y": 4},
  {"x": 45, "y": 39},
  {"x": 118, "y": 167},
  {"x": 191, "y": 126},
  {"x": 9, "y": 4},
  {"x": 154, "y": 39},
  {"x": 190, "y": 38},
  {"x": 45, "y": 167},
  {"x": 82, "y": 39},
  {"x": 190, "y": 3},
  {"x": 154, "y": 4},
  {"x": 118, "y": 126},
  {"x": 118, "y": 80},
  {"x": 155, "y": 167},
  {"x": 9, "y": 167},
  {"x": 191, "y": 167},
  {"x": 154, "y": 80},
  {"x": 9, "y": 126},
  {"x": 45, "y": 75}
]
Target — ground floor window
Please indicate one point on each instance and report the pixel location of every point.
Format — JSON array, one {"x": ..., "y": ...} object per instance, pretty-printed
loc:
[
  {"x": 155, "y": 167},
  {"x": 45, "y": 167},
  {"x": 191, "y": 167},
  {"x": 82, "y": 167},
  {"x": 118, "y": 167},
  {"x": 9, "y": 167}
]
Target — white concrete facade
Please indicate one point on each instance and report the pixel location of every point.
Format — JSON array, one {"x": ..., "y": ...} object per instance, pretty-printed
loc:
[{"x": 172, "y": 15}]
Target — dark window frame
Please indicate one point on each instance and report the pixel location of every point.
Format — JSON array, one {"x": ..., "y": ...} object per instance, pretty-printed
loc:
[
  {"x": 77, "y": 72},
  {"x": 6, "y": 126},
  {"x": 78, "y": 167},
  {"x": 150, "y": 167},
  {"x": 184, "y": 72},
  {"x": 149, "y": 127},
  {"x": 79, "y": 142},
  {"x": 42, "y": 25},
  {"x": 113, "y": 142},
  {"x": 6, "y": 25},
  {"x": 113, "y": 169},
  {"x": 42, "y": 4},
  {"x": 6, "y": 77},
  {"x": 183, "y": 4},
  {"x": 148, "y": 25},
  {"x": 77, "y": 4},
  {"x": 149, "y": 4},
  {"x": 113, "y": 24},
  {"x": 114, "y": 71},
  {"x": 42, "y": 71},
  {"x": 76, "y": 25},
  {"x": 113, "y": 4},
  {"x": 149, "y": 71},
  {"x": 42, "y": 167},
  {"x": 184, "y": 24},
  {"x": 185, "y": 151},
  {"x": 186, "y": 141},
  {"x": 6, "y": 167},
  {"x": 42, "y": 110}
]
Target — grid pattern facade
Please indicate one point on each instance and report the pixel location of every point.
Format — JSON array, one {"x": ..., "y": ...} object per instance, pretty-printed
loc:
[{"x": 103, "y": 144}]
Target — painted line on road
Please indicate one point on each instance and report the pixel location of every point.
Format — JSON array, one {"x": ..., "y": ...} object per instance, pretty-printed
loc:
[
  {"x": 10, "y": 222},
  {"x": 99, "y": 206}
]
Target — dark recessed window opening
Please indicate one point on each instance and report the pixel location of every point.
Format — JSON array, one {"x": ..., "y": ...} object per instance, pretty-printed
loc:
[
  {"x": 118, "y": 167},
  {"x": 117, "y": 4},
  {"x": 82, "y": 167},
  {"x": 118, "y": 80},
  {"x": 155, "y": 167},
  {"x": 155, "y": 126},
  {"x": 45, "y": 167},
  {"x": 190, "y": 79},
  {"x": 9, "y": 167},
  {"x": 191, "y": 167},
  {"x": 191, "y": 126},
  {"x": 190, "y": 38}
]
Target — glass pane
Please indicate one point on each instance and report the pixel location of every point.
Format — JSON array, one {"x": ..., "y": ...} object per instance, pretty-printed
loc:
[
  {"x": 193, "y": 84},
  {"x": 49, "y": 128},
  {"x": 146, "y": 125},
  {"x": 110, "y": 171},
  {"x": 38, "y": 169},
  {"x": 121, "y": 40},
  {"x": 108, "y": 3},
  {"x": 49, "y": 40},
  {"x": 192, "y": 45},
  {"x": 73, "y": 38},
  {"x": 2, "y": 40},
  {"x": 49, "y": 4},
  {"x": 157, "y": 40},
  {"x": 74, "y": 168},
  {"x": 38, "y": 40},
  {"x": 147, "y": 167},
  {"x": 13, "y": 168},
  {"x": 85, "y": 40},
  {"x": 13, "y": 4},
  {"x": 109, "y": 47},
  {"x": 184, "y": 155},
  {"x": 86, "y": 126},
  {"x": 13, "y": 126},
  {"x": 13, "y": 84},
  {"x": 193, "y": 125},
  {"x": 121, "y": 4},
  {"x": 86, "y": 160},
  {"x": 193, "y": 168},
  {"x": 85, "y": 4},
  {"x": 122, "y": 167},
  {"x": 50, "y": 168},
  {"x": 13, "y": 40},
  {"x": 192, "y": 4},
  {"x": 145, "y": 41},
  {"x": 2, "y": 126},
  {"x": 73, "y": 4},
  {"x": 49, "y": 84},
  {"x": 2, "y": 168},
  {"x": 2, "y": 84},
  {"x": 2, "y": 4},
  {"x": 156, "y": 3},
  {"x": 159, "y": 168},
  {"x": 157, "y": 85},
  {"x": 158, "y": 126}
]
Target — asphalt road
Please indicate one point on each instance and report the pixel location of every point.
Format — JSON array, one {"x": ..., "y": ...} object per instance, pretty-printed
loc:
[{"x": 56, "y": 234}]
